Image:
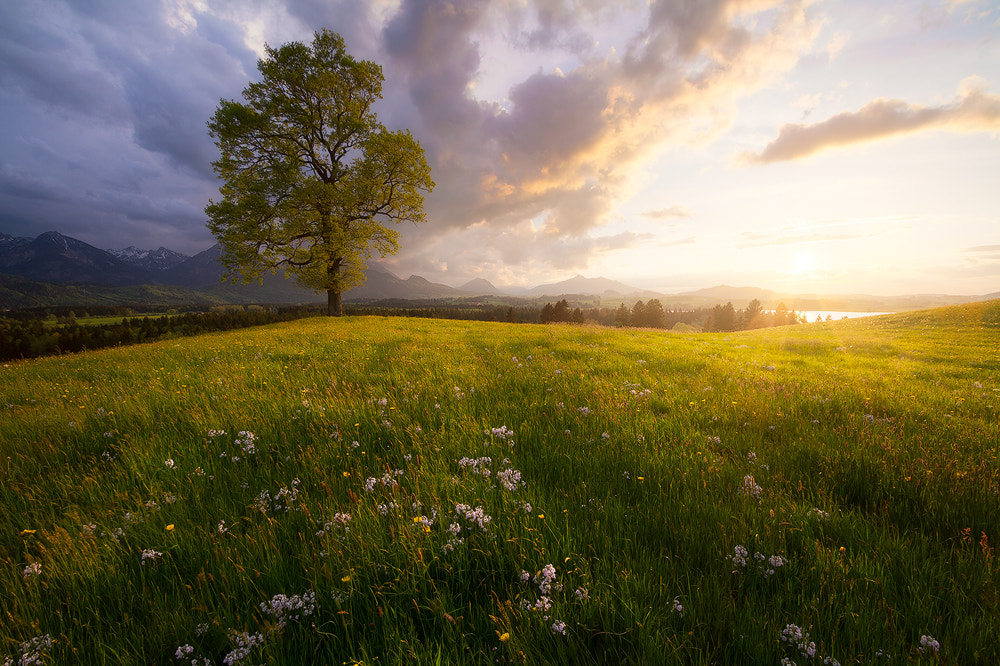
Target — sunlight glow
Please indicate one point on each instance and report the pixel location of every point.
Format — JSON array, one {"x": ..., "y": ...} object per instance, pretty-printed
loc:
[{"x": 803, "y": 263}]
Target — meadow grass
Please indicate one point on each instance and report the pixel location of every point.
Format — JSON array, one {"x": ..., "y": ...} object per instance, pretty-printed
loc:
[{"x": 386, "y": 490}]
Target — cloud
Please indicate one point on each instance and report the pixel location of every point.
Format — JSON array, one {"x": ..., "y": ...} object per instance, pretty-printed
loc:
[
  {"x": 565, "y": 143},
  {"x": 669, "y": 213},
  {"x": 751, "y": 239},
  {"x": 973, "y": 111},
  {"x": 591, "y": 90}
]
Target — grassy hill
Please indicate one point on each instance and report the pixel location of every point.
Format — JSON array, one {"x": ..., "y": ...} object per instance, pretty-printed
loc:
[{"x": 368, "y": 490}]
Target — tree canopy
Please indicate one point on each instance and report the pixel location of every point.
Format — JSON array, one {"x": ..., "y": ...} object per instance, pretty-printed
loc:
[{"x": 311, "y": 179}]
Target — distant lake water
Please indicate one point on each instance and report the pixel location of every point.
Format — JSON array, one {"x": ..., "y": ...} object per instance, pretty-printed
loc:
[{"x": 835, "y": 315}]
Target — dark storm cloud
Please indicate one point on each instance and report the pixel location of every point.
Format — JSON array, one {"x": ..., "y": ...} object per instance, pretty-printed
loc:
[
  {"x": 124, "y": 98},
  {"x": 105, "y": 104}
]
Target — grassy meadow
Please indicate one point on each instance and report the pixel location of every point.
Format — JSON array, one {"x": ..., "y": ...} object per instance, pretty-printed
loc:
[{"x": 413, "y": 491}]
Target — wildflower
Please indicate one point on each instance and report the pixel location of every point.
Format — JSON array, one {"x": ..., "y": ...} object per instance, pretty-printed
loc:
[
  {"x": 559, "y": 627},
  {"x": 342, "y": 519},
  {"x": 678, "y": 608},
  {"x": 34, "y": 651},
  {"x": 183, "y": 652},
  {"x": 504, "y": 637},
  {"x": 510, "y": 479},
  {"x": 150, "y": 554},
  {"x": 818, "y": 514},
  {"x": 169, "y": 463},
  {"x": 546, "y": 579},
  {"x": 33, "y": 569},
  {"x": 929, "y": 643},
  {"x": 477, "y": 515},
  {"x": 750, "y": 487},
  {"x": 739, "y": 557},
  {"x": 503, "y": 432},
  {"x": 798, "y": 637},
  {"x": 581, "y": 594},
  {"x": 283, "y": 608},
  {"x": 244, "y": 643}
]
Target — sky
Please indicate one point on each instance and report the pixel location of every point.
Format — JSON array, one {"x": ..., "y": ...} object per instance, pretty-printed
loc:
[{"x": 841, "y": 146}]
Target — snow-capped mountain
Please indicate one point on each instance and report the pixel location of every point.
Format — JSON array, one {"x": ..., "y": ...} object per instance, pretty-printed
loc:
[{"x": 160, "y": 259}]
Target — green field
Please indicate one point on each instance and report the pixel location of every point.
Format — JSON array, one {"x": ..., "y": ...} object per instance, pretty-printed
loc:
[{"x": 397, "y": 491}]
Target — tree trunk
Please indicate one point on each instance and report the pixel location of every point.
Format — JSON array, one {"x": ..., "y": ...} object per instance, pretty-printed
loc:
[{"x": 334, "y": 306}]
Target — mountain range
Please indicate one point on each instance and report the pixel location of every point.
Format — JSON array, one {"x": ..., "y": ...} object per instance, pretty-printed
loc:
[{"x": 54, "y": 269}]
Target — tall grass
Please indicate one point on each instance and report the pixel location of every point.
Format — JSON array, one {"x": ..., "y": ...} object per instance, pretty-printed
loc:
[{"x": 367, "y": 490}]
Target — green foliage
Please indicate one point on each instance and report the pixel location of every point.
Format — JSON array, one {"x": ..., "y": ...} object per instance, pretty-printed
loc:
[
  {"x": 310, "y": 176},
  {"x": 651, "y": 497}
]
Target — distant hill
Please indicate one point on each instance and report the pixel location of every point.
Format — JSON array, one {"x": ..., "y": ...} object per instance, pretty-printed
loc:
[
  {"x": 381, "y": 284},
  {"x": 53, "y": 257},
  {"x": 86, "y": 272},
  {"x": 582, "y": 285},
  {"x": 480, "y": 287}
]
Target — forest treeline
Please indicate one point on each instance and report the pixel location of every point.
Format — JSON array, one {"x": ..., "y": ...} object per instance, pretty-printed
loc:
[
  {"x": 651, "y": 314},
  {"x": 38, "y": 332},
  {"x": 47, "y": 331}
]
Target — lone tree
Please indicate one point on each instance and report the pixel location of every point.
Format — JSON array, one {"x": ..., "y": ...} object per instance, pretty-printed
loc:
[{"x": 311, "y": 179}]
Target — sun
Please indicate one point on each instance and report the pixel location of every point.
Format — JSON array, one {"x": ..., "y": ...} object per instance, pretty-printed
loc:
[{"x": 802, "y": 264}]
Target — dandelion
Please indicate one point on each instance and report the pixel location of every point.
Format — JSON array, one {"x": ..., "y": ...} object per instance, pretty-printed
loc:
[{"x": 504, "y": 637}]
